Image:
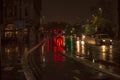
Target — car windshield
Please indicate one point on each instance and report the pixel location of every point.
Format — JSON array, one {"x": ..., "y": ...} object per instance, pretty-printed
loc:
[{"x": 105, "y": 36}]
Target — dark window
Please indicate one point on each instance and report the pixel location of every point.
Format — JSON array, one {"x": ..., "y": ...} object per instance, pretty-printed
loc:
[
  {"x": 26, "y": 12},
  {"x": 1, "y": 11},
  {"x": 10, "y": 11},
  {"x": 15, "y": 10}
]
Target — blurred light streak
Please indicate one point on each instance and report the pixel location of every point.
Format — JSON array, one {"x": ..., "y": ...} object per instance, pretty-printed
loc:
[
  {"x": 78, "y": 46},
  {"x": 93, "y": 60},
  {"x": 103, "y": 48},
  {"x": 83, "y": 49},
  {"x": 104, "y": 56}
]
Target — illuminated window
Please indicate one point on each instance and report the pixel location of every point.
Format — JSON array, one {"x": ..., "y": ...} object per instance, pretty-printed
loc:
[{"x": 10, "y": 30}]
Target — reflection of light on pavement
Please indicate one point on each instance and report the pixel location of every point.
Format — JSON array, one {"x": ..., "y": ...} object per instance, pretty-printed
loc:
[
  {"x": 110, "y": 48},
  {"x": 55, "y": 49},
  {"x": 42, "y": 49},
  {"x": 43, "y": 59},
  {"x": 83, "y": 49},
  {"x": 43, "y": 54},
  {"x": 106, "y": 52},
  {"x": 111, "y": 54},
  {"x": 7, "y": 51},
  {"x": 17, "y": 49},
  {"x": 77, "y": 54},
  {"x": 103, "y": 48},
  {"x": 104, "y": 56},
  {"x": 58, "y": 57},
  {"x": 78, "y": 46},
  {"x": 100, "y": 66},
  {"x": 93, "y": 60}
]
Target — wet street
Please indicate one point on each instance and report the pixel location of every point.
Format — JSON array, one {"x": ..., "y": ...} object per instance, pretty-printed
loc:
[
  {"x": 58, "y": 67},
  {"x": 11, "y": 66},
  {"x": 53, "y": 65},
  {"x": 60, "y": 39},
  {"x": 105, "y": 56}
]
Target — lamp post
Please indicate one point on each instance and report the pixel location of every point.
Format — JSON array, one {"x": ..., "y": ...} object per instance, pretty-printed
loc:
[
  {"x": 100, "y": 16},
  {"x": 100, "y": 11}
]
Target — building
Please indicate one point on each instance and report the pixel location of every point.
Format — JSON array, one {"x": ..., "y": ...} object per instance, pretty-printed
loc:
[
  {"x": 19, "y": 10},
  {"x": 19, "y": 16},
  {"x": 1, "y": 14}
]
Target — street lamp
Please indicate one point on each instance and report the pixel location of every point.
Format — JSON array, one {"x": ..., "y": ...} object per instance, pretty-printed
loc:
[{"x": 100, "y": 10}]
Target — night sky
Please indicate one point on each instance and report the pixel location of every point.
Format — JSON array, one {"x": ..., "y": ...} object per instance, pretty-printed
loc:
[{"x": 71, "y": 11}]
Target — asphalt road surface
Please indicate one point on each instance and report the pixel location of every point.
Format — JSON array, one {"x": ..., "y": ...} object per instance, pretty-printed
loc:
[{"x": 58, "y": 67}]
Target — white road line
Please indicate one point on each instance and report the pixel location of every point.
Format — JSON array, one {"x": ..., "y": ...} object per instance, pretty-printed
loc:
[{"x": 76, "y": 78}]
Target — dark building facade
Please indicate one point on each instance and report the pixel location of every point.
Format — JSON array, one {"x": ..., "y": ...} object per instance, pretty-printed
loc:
[
  {"x": 19, "y": 10},
  {"x": 20, "y": 15},
  {"x": 1, "y": 14},
  {"x": 119, "y": 19}
]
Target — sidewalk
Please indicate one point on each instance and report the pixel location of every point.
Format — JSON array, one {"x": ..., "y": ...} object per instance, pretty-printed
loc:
[
  {"x": 11, "y": 64},
  {"x": 12, "y": 71}
]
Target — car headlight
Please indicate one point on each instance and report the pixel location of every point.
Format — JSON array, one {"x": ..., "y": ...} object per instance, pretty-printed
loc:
[
  {"x": 110, "y": 40},
  {"x": 82, "y": 42},
  {"x": 103, "y": 40}
]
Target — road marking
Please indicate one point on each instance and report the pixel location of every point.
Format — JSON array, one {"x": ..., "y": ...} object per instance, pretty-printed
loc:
[{"x": 76, "y": 78}]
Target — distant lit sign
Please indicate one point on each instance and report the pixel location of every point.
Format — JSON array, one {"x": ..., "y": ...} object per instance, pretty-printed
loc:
[{"x": 58, "y": 44}]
